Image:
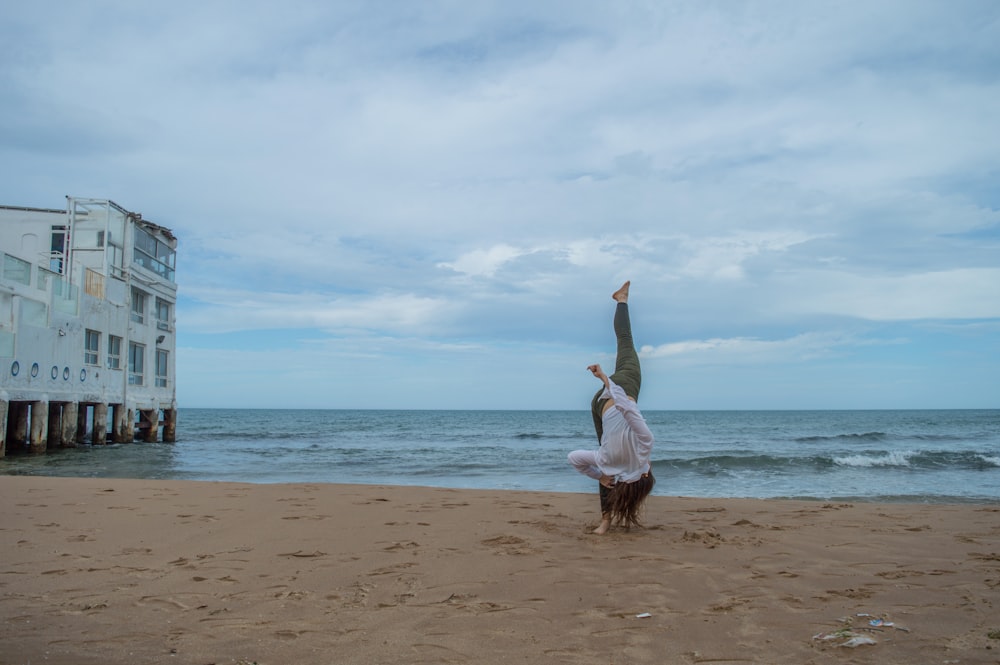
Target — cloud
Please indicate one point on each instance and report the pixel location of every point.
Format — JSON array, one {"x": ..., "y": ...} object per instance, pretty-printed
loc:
[
  {"x": 741, "y": 351},
  {"x": 484, "y": 262},
  {"x": 972, "y": 293},
  {"x": 221, "y": 311}
]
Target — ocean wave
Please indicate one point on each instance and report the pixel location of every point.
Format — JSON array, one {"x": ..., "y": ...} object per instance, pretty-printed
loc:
[
  {"x": 898, "y": 458},
  {"x": 990, "y": 460},
  {"x": 711, "y": 465},
  {"x": 965, "y": 436},
  {"x": 548, "y": 435},
  {"x": 867, "y": 436},
  {"x": 921, "y": 438},
  {"x": 923, "y": 460}
]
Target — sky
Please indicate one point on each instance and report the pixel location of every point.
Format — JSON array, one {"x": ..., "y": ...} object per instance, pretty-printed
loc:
[{"x": 427, "y": 205}]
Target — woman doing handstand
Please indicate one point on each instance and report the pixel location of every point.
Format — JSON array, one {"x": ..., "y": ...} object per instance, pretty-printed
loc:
[{"x": 621, "y": 464}]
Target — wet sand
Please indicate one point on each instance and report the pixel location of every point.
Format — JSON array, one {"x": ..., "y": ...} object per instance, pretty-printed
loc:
[{"x": 137, "y": 571}]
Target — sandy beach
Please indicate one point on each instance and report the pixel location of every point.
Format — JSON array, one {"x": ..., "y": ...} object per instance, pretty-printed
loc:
[{"x": 138, "y": 571}]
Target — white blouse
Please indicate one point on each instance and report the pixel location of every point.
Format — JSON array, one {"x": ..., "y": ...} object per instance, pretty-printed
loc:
[{"x": 626, "y": 443}]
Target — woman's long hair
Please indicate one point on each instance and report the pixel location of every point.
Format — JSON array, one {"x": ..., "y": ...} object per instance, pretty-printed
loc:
[{"x": 625, "y": 500}]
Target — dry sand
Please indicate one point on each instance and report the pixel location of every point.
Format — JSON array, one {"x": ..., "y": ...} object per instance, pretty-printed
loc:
[{"x": 103, "y": 572}]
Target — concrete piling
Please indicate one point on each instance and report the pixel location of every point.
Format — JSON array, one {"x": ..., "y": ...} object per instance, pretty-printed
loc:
[
  {"x": 37, "y": 426},
  {"x": 68, "y": 433}
]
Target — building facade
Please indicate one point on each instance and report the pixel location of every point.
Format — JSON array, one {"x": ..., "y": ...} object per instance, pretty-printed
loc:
[{"x": 87, "y": 327}]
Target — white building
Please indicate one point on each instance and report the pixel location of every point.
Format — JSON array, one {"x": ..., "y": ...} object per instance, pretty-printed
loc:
[{"x": 87, "y": 335}]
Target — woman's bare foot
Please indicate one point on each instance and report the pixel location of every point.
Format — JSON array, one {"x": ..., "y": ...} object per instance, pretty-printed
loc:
[
  {"x": 621, "y": 295},
  {"x": 602, "y": 527}
]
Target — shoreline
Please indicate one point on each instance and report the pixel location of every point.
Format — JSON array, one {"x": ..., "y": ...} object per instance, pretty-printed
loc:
[
  {"x": 100, "y": 570},
  {"x": 923, "y": 499}
]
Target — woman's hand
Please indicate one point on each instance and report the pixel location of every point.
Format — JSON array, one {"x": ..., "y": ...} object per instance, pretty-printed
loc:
[{"x": 598, "y": 372}]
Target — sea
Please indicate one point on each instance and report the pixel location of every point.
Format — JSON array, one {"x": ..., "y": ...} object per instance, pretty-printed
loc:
[{"x": 923, "y": 456}]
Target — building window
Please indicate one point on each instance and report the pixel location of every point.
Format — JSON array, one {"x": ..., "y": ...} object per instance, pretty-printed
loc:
[
  {"x": 162, "y": 314},
  {"x": 92, "y": 345},
  {"x": 153, "y": 254},
  {"x": 114, "y": 352},
  {"x": 138, "y": 306},
  {"x": 58, "y": 249},
  {"x": 136, "y": 358},
  {"x": 161, "y": 368}
]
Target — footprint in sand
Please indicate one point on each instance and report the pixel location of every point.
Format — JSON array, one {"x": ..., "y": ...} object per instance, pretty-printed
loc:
[
  {"x": 509, "y": 545},
  {"x": 390, "y": 570},
  {"x": 375, "y": 500},
  {"x": 135, "y": 550},
  {"x": 299, "y": 554},
  {"x": 306, "y": 517},
  {"x": 710, "y": 538}
]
